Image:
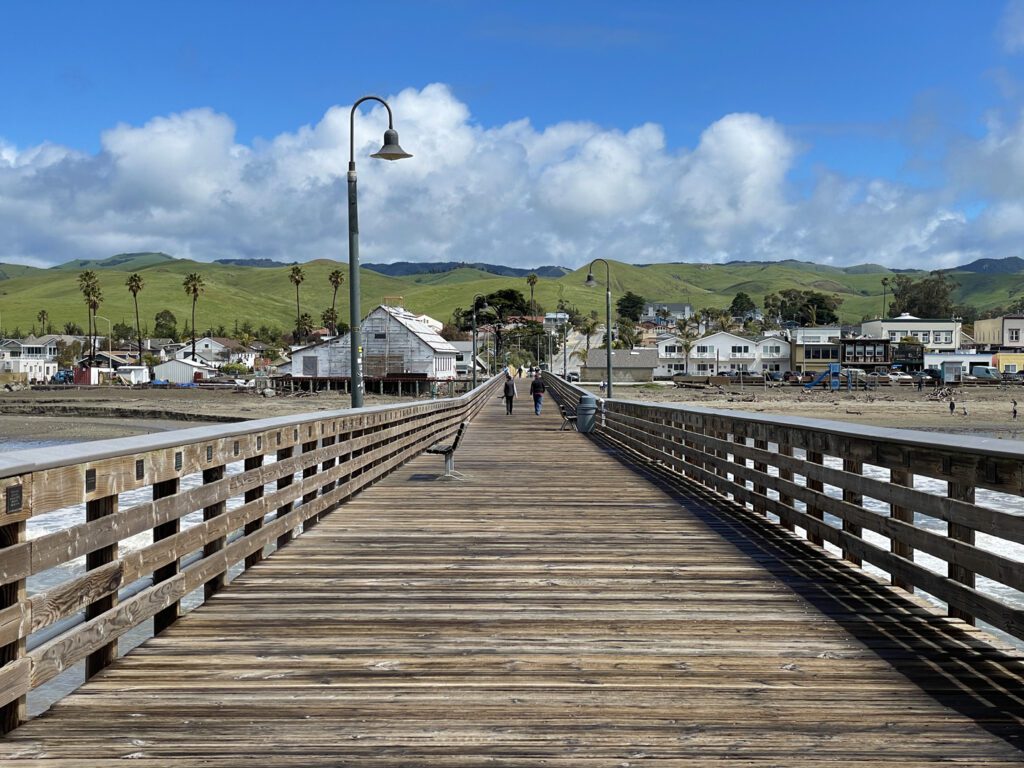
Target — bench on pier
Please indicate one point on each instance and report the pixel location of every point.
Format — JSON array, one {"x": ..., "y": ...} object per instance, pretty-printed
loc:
[
  {"x": 448, "y": 451},
  {"x": 568, "y": 419}
]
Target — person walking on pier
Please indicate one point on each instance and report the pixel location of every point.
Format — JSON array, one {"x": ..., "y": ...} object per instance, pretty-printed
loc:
[
  {"x": 510, "y": 393},
  {"x": 537, "y": 390}
]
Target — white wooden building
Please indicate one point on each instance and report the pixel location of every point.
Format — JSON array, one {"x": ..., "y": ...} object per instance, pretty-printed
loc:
[{"x": 395, "y": 343}]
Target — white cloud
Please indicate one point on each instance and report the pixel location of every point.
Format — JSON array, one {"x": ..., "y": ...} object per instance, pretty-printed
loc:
[
  {"x": 1011, "y": 27},
  {"x": 509, "y": 194}
]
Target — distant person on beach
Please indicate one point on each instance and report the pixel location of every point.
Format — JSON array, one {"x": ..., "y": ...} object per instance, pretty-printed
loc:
[
  {"x": 1014, "y": 410},
  {"x": 537, "y": 390},
  {"x": 510, "y": 393},
  {"x": 952, "y": 407}
]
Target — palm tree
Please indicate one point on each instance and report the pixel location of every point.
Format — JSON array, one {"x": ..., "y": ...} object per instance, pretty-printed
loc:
[
  {"x": 885, "y": 288},
  {"x": 531, "y": 280},
  {"x": 89, "y": 285},
  {"x": 135, "y": 284},
  {"x": 336, "y": 279},
  {"x": 305, "y": 325},
  {"x": 297, "y": 276},
  {"x": 330, "y": 319},
  {"x": 588, "y": 327},
  {"x": 44, "y": 320},
  {"x": 193, "y": 286}
]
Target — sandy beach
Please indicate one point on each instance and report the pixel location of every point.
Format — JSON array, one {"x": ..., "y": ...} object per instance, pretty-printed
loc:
[
  {"x": 988, "y": 408},
  {"x": 101, "y": 413},
  {"x": 95, "y": 414}
]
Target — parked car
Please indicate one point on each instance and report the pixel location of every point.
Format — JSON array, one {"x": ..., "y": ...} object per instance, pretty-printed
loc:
[
  {"x": 899, "y": 376},
  {"x": 878, "y": 377},
  {"x": 572, "y": 376},
  {"x": 63, "y": 376}
]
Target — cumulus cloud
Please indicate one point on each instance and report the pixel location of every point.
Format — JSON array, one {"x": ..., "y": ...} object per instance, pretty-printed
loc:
[{"x": 510, "y": 194}]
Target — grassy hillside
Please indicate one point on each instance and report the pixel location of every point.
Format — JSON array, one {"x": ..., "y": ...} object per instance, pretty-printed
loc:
[{"x": 265, "y": 295}]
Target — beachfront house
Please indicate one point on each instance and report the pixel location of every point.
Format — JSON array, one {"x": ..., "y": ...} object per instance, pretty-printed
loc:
[
  {"x": 395, "y": 344},
  {"x": 934, "y": 334},
  {"x": 723, "y": 352}
]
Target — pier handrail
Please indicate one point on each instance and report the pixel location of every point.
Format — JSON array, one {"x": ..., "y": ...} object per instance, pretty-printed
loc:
[
  {"x": 320, "y": 459},
  {"x": 809, "y": 476}
]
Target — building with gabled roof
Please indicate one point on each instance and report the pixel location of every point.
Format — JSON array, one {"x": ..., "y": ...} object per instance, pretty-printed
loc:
[{"x": 395, "y": 343}]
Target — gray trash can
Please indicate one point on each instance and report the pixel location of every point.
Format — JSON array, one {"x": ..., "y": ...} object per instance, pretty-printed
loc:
[{"x": 585, "y": 413}]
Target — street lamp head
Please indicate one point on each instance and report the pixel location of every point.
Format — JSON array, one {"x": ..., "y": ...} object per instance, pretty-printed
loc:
[
  {"x": 590, "y": 281},
  {"x": 391, "y": 150}
]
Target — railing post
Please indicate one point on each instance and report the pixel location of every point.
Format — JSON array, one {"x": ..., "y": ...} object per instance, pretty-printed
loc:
[
  {"x": 104, "y": 656},
  {"x": 284, "y": 482},
  {"x": 309, "y": 471},
  {"x": 167, "y": 616},
  {"x": 214, "y": 585},
  {"x": 814, "y": 457},
  {"x": 13, "y": 712},
  {"x": 856, "y": 467},
  {"x": 957, "y": 572},
  {"x": 760, "y": 489},
  {"x": 905, "y": 478},
  {"x": 328, "y": 463},
  {"x": 252, "y": 494},
  {"x": 785, "y": 449},
  {"x": 737, "y": 459}
]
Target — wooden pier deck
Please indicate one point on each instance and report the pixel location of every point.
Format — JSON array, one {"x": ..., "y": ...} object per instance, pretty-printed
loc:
[{"x": 558, "y": 607}]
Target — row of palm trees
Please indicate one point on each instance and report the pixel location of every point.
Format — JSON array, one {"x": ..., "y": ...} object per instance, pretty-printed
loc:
[
  {"x": 89, "y": 285},
  {"x": 194, "y": 286},
  {"x": 330, "y": 316}
]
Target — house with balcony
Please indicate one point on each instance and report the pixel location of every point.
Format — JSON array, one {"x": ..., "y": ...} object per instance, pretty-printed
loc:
[
  {"x": 722, "y": 352},
  {"x": 866, "y": 354},
  {"x": 933, "y": 334}
]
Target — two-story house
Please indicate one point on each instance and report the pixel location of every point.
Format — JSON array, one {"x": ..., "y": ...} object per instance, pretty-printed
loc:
[
  {"x": 934, "y": 334},
  {"x": 720, "y": 352}
]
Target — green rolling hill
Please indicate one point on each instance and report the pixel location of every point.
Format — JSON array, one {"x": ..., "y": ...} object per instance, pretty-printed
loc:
[{"x": 264, "y": 295}]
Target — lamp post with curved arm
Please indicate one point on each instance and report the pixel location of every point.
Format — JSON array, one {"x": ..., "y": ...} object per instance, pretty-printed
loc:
[
  {"x": 390, "y": 151},
  {"x": 484, "y": 306},
  {"x": 590, "y": 283}
]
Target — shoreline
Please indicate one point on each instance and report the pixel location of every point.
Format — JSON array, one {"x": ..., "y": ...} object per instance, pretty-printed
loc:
[{"x": 98, "y": 414}]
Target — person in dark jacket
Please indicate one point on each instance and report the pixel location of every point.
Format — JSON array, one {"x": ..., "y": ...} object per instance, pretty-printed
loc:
[
  {"x": 510, "y": 393},
  {"x": 537, "y": 390}
]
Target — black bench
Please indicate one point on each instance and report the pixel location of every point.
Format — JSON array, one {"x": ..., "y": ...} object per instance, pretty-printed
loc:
[
  {"x": 448, "y": 451},
  {"x": 568, "y": 419}
]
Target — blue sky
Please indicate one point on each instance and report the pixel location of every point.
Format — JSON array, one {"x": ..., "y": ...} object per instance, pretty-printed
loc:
[{"x": 865, "y": 96}]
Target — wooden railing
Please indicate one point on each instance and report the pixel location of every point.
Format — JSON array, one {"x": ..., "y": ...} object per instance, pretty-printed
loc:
[
  {"x": 254, "y": 482},
  {"x": 853, "y": 487}
]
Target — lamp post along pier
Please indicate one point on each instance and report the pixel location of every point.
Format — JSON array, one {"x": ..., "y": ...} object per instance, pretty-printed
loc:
[
  {"x": 390, "y": 151},
  {"x": 590, "y": 283},
  {"x": 472, "y": 362}
]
